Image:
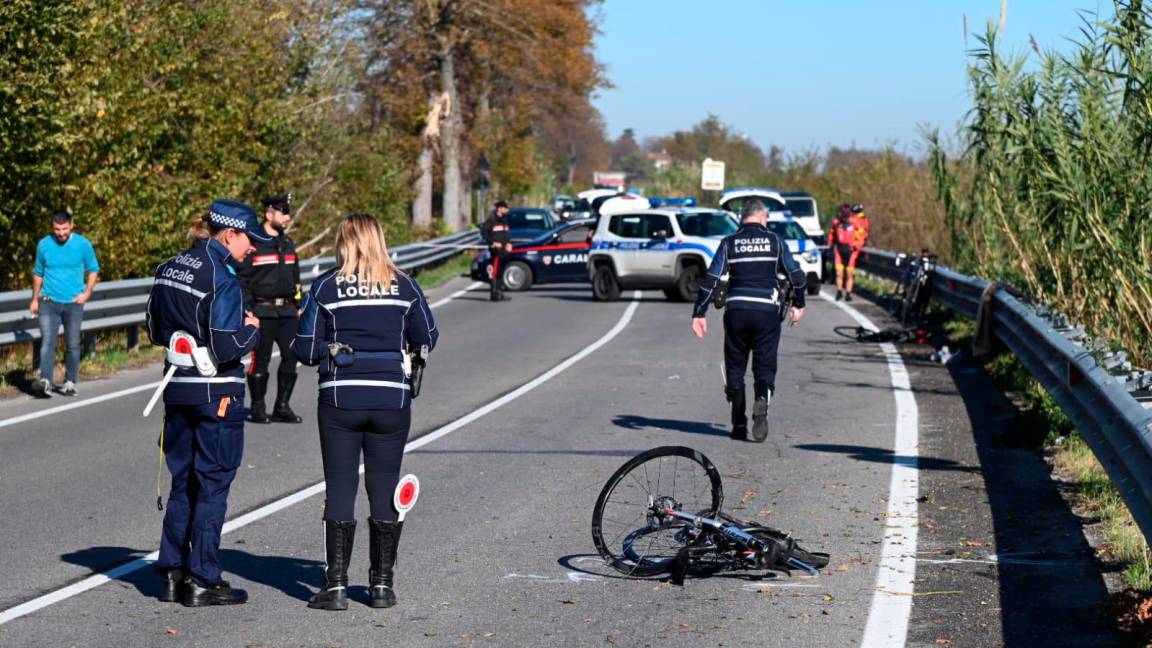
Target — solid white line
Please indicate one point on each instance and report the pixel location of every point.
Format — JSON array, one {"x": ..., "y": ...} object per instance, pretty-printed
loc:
[
  {"x": 31, "y": 416},
  {"x": 896, "y": 578},
  {"x": 268, "y": 509}
]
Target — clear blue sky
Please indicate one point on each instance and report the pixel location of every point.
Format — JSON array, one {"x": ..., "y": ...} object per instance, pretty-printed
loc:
[{"x": 807, "y": 74}]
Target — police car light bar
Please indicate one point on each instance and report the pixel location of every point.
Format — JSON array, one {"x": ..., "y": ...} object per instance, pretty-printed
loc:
[{"x": 672, "y": 202}]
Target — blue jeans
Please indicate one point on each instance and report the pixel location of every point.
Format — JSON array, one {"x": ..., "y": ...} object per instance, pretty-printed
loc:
[{"x": 52, "y": 313}]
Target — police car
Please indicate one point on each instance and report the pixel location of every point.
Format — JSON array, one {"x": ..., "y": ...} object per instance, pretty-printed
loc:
[
  {"x": 779, "y": 205},
  {"x": 666, "y": 247},
  {"x": 803, "y": 249},
  {"x": 558, "y": 256}
]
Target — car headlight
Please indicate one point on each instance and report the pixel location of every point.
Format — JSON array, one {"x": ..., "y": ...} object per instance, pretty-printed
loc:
[{"x": 811, "y": 256}]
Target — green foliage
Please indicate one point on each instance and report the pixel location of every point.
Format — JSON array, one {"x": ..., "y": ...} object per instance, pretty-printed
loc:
[{"x": 1054, "y": 188}]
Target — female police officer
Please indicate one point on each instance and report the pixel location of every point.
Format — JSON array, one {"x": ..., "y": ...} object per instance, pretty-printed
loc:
[
  {"x": 197, "y": 293},
  {"x": 358, "y": 318}
]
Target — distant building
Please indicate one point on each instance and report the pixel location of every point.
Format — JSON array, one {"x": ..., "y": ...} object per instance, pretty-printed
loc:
[{"x": 661, "y": 160}]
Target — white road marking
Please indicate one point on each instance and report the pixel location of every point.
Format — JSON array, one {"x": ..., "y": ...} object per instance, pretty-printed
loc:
[
  {"x": 299, "y": 496},
  {"x": 895, "y": 581},
  {"x": 31, "y": 416}
]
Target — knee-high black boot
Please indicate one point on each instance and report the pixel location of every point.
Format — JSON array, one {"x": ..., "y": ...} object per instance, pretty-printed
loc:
[
  {"x": 383, "y": 540},
  {"x": 282, "y": 412},
  {"x": 338, "y": 537},
  {"x": 258, "y": 386},
  {"x": 739, "y": 417}
]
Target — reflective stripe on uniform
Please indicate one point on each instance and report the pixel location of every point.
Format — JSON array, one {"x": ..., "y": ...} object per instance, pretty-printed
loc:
[
  {"x": 363, "y": 383},
  {"x": 200, "y": 379},
  {"x": 760, "y": 300},
  {"x": 367, "y": 302},
  {"x": 179, "y": 286},
  {"x": 751, "y": 259}
]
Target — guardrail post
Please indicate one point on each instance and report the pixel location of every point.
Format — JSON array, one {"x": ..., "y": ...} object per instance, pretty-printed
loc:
[
  {"x": 89, "y": 344},
  {"x": 133, "y": 337}
]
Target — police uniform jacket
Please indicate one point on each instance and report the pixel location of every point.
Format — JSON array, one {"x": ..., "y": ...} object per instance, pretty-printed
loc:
[
  {"x": 376, "y": 323},
  {"x": 496, "y": 230},
  {"x": 197, "y": 292},
  {"x": 271, "y": 278},
  {"x": 752, "y": 257}
]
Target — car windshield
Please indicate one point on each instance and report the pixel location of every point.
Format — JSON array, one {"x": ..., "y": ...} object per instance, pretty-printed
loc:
[
  {"x": 734, "y": 205},
  {"x": 801, "y": 206},
  {"x": 787, "y": 230},
  {"x": 529, "y": 219},
  {"x": 707, "y": 223}
]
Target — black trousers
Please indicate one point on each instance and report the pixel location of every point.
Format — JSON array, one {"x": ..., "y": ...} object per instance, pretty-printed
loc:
[
  {"x": 278, "y": 331},
  {"x": 499, "y": 260},
  {"x": 755, "y": 332},
  {"x": 380, "y": 436}
]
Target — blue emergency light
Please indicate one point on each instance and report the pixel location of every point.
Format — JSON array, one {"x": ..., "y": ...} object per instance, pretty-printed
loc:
[{"x": 672, "y": 202}]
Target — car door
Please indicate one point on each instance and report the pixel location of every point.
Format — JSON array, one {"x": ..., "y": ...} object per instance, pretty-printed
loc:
[
  {"x": 569, "y": 255},
  {"x": 655, "y": 257},
  {"x": 627, "y": 237}
]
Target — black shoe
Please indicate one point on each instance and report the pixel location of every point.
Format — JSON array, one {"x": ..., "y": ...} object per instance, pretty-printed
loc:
[
  {"x": 384, "y": 539},
  {"x": 839, "y": 295},
  {"x": 739, "y": 433},
  {"x": 760, "y": 419},
  {"x": 848, "y": 297},
  {"x": 504, "y": 297},
  {"x": 197, "y": 595},
  {"x": 257, "y": 387},
  {"x": 338, "y": 538},
  {"x": 282, "y": 412},
  {"x": 170, "y": 593}
]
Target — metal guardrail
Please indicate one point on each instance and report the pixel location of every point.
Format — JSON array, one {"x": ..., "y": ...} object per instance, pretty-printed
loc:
[
  {"x": 1095, "y": 387},
  {"x": 120, "y": 304}
]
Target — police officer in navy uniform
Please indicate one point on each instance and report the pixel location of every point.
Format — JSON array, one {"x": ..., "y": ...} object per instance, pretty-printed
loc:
[
  {"x": 751, "y": 257},
  {"x": 271, "y": 280},
  {"x": 359, "y": 319},
  {"x": 197, "y": 292},
  {"x": 495, "y": 232}
]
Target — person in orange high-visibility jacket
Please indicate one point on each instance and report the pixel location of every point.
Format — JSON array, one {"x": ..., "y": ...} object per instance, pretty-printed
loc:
[
  {"x": 846, "y": 238},
  {"x": 862, "y": 221}
]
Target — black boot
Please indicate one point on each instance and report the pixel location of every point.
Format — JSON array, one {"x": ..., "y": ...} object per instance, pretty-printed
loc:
[
  {"x": 739, "y": 418},
  {"x": 170, "y": 592},
  {"x": 760, "y": 412},
  {"x": 383, "y": 541},
  {"x": 197, "y": 595},
  {"x": 283, "y": 413},
  {"x": 338, "y": 537},
  {"x": 258, "y": 385}
]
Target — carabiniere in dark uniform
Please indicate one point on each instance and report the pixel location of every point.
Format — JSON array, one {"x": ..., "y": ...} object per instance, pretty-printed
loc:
[
  {"x": 752, "y": 257},
  {"x": 271, "y": 280}
]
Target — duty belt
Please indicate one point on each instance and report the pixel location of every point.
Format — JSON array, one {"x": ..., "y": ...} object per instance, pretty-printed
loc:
[
  {"x": 374, "y": 355},
  {"x": 274, "y": 301}
]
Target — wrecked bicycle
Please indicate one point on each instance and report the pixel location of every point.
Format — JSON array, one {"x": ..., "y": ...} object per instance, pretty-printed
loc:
[{"x": 661, "y": 513}]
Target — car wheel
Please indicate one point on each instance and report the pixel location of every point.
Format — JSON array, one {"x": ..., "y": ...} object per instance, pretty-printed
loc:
[
  {"x": 688, "y": 285},
  {"x": 517, "y": 276},
  {"x": 604, "y": 285},
  {"x": 814, "y": 287}
]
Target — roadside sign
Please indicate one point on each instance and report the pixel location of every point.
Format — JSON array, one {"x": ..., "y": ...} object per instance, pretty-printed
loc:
[{"x": 712, "y": 175}]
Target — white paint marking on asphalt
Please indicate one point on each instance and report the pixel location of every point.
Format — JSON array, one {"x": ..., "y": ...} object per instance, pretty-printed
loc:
[
  {"x": 31, "y": 416},
  {"x": 264, "y": 511},
  {"x": 895, "y": 581},
  {"x": 759, "y": 587}
]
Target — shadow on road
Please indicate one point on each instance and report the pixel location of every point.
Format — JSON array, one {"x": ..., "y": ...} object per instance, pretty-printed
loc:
[
  {"x": 635, "y": 422},
  {"x": 296, "y": 577},
  {"x": 884, "y": 455}
]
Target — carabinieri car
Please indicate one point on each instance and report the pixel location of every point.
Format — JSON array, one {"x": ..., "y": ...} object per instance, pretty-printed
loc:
[{"x": 557, "y": 256}]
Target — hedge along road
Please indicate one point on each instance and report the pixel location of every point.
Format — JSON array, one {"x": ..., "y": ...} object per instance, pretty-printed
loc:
[{"x": 498, "y": 546}]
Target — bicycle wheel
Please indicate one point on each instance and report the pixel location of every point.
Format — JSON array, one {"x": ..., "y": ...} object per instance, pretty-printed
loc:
[{"x": 629, "y": 528}]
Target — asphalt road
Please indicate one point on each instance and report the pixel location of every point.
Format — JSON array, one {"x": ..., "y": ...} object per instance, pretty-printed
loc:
[{"x": 498, "y": 549}]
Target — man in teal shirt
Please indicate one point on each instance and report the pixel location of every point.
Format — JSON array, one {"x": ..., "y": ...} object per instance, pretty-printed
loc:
[{"x": 59, "y": 291}]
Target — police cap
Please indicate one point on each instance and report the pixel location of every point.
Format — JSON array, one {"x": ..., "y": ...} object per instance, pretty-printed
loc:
[
  {"x": 238, "y": 216},
  {"x": 281, "y": 203}
]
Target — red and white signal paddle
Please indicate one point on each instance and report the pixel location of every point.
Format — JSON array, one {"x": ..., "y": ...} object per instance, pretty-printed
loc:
[{"x": 405, "y": 496}]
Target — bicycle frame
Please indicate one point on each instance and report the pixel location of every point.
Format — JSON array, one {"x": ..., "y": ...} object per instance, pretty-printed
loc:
[{"x": 731, "y": 531}]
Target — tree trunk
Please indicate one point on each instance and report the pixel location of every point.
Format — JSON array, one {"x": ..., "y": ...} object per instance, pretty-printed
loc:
[
  {"x": 450, "y": 141},
  {"x": 422, "y": 207}
]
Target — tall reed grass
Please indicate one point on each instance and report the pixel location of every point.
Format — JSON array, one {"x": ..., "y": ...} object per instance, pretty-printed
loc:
[{"x": 1053, "y": 188}]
